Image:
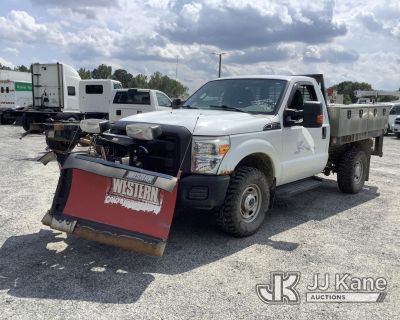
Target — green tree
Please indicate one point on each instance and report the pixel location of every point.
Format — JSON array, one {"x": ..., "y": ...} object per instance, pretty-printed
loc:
[
  {"x": 139, "y": 81},
  {"x": 171, "y": 87},
  {"x": 348, "y": 88},
  {"x": 4, "y": 67},
  {"x": 102, "y": 72},
  {"x": 21, "y": 68},
  {"x": 387, "y": 98},
  {"x": 123, "y": 76},
  {"x": 85, "y": 73}
]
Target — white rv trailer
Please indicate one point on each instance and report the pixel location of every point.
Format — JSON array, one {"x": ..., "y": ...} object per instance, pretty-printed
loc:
[{"x": 15, "y": 92}]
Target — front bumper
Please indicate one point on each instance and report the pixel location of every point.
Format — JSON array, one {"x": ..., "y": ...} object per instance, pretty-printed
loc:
[{"x": 202, "y": 192}]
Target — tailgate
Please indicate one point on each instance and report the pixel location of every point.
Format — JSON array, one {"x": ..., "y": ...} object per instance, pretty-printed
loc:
[{"x": 113, "y": 203}]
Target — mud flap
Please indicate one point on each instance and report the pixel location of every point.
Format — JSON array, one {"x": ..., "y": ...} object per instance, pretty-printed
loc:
[{"x": 114, "y": 204}]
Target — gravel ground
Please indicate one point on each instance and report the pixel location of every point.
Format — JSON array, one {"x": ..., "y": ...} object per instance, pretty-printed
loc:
[{"x": 203, "y": 273}]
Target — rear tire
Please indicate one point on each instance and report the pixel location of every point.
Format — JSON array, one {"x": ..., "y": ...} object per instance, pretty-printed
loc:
[
  {"x": 26, "y": 122},
  {"x": 352, "y": 171},
  {"x": 246, "y": 203}
]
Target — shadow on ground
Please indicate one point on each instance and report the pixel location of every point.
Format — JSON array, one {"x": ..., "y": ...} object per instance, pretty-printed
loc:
[{"x": 48, "y": 265}]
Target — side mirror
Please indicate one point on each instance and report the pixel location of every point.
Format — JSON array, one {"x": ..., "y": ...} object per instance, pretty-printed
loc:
[
  {"x": 292, "y": 117},
  {"x": 176, "y": 103},
  {"x": 312, "y": 114}
]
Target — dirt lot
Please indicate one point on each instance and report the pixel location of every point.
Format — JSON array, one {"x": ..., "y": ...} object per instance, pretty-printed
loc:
[{"x": 203, "y": 274}]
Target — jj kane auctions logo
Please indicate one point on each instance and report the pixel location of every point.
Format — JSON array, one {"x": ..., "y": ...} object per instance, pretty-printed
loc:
[{"x": 325, "y": 288}]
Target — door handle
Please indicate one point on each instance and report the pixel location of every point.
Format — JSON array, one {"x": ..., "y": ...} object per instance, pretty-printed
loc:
[{"x": 323, "y": 132}]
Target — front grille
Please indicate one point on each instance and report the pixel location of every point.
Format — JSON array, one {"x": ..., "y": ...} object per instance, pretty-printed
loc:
[
  {"x": 397, "y": 121},
  {"x": 165, "y": 153}
]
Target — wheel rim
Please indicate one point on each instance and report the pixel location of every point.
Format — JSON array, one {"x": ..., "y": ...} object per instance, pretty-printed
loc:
[
  {"x": 358, "y": 171},
  {"x": 250, "y": 203}
]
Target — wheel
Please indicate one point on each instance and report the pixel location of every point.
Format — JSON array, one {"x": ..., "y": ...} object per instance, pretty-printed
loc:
[
  {"x": 398, "y": 135},
  {"x": 26, "y": 122},
  {"x": 246, "y": 203},
  {"x": 352, "y": 171},
  {"x": 386, "y": 131}
]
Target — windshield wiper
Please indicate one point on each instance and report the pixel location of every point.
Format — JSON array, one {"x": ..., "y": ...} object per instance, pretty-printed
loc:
[
  {"x": 187, "y": 106},
  {"x": 224, "y": 107}
]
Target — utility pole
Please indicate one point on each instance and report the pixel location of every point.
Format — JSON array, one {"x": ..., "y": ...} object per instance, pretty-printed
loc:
[
  {"x": 220, "y": 62},
  {"x": 176, "y": 70}
]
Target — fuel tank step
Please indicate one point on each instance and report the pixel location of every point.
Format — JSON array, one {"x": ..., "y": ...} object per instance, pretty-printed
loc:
[{"x": 293, "y": 188}]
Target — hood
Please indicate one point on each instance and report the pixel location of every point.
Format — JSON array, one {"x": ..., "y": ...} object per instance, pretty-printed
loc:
[{"x": 209, "y": 122}]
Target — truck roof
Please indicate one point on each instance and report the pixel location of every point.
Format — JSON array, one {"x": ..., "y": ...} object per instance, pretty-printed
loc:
[
  {"x": 273, "y": 77},
  {"x": 140, "y": 90}
]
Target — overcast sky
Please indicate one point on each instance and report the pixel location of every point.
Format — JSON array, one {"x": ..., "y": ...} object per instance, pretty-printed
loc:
[{"x": 345, "y": 39}]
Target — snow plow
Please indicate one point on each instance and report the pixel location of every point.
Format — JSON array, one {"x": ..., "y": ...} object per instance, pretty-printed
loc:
[{"x": 113, "y": 203}]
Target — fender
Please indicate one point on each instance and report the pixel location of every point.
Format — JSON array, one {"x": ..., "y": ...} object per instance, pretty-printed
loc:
[{"x": 246, "y": 147}]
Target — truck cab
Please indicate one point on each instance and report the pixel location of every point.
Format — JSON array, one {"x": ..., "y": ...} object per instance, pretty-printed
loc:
[
  {"x": 96, "y": 95},
  {"x": 133, "y": 101}
]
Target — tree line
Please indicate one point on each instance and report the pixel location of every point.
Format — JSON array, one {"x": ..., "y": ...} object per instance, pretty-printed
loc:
[
  {"x": 174, "y": 88},
  {"x": 348, "y": 88},
  {"x": 20, "y": 68},
  {"x": 157, "y": 80}
]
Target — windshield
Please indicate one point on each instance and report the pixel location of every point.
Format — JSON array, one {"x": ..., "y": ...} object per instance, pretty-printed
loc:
[{"x": 246, "y": 95}]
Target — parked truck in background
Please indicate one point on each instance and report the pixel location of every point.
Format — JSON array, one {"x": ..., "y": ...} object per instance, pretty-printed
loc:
[
  {"x": 14, "y": 95},
  {"x": 232, "y": 147},
  {"x": 58, "y": 93},
  {"x": 396, "y": 127},
  {"x": 394, "y": 113},
  {"x": 64, "y": 136}
]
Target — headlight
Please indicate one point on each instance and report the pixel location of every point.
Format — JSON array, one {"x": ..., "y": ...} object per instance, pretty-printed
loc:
[
  {"x": 143, "y": 131},
  {"x": 207, "y": 153},
  {"x": 94, "y": 125}
]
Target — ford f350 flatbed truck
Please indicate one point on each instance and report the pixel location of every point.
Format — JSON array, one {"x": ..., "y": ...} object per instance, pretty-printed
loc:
[{"x": 233, "y": 145}]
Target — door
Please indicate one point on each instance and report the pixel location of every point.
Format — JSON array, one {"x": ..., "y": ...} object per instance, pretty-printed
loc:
[
  {"x": 305, "y": 150},
  {"x": 163, "y": 102}
]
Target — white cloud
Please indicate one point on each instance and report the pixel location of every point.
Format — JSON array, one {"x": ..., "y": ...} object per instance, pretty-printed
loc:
[
  {"x": 345, "y": 39},
  {"x": 19, "y": 26},
  {"x": 13, "y": 51},
  {"x": 6, "y": 63}
]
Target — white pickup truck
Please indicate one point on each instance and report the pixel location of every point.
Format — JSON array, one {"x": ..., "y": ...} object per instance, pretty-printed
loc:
[
  {"x": 129, "y": 102},
  {"x": 232, "y": 146}
]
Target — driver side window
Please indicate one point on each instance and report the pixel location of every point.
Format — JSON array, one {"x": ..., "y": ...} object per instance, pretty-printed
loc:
[{"x": 308, "y": 92}]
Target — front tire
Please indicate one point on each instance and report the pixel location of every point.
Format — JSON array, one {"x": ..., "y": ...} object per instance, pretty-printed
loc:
[
  {"x": 398, "y": 135},
  {"x": 246, "y": 203},
  {"x": 352, "y": 171}
]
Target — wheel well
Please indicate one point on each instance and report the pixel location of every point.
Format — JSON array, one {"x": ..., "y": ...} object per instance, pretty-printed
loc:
[{"x": 262, "y": 162}]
